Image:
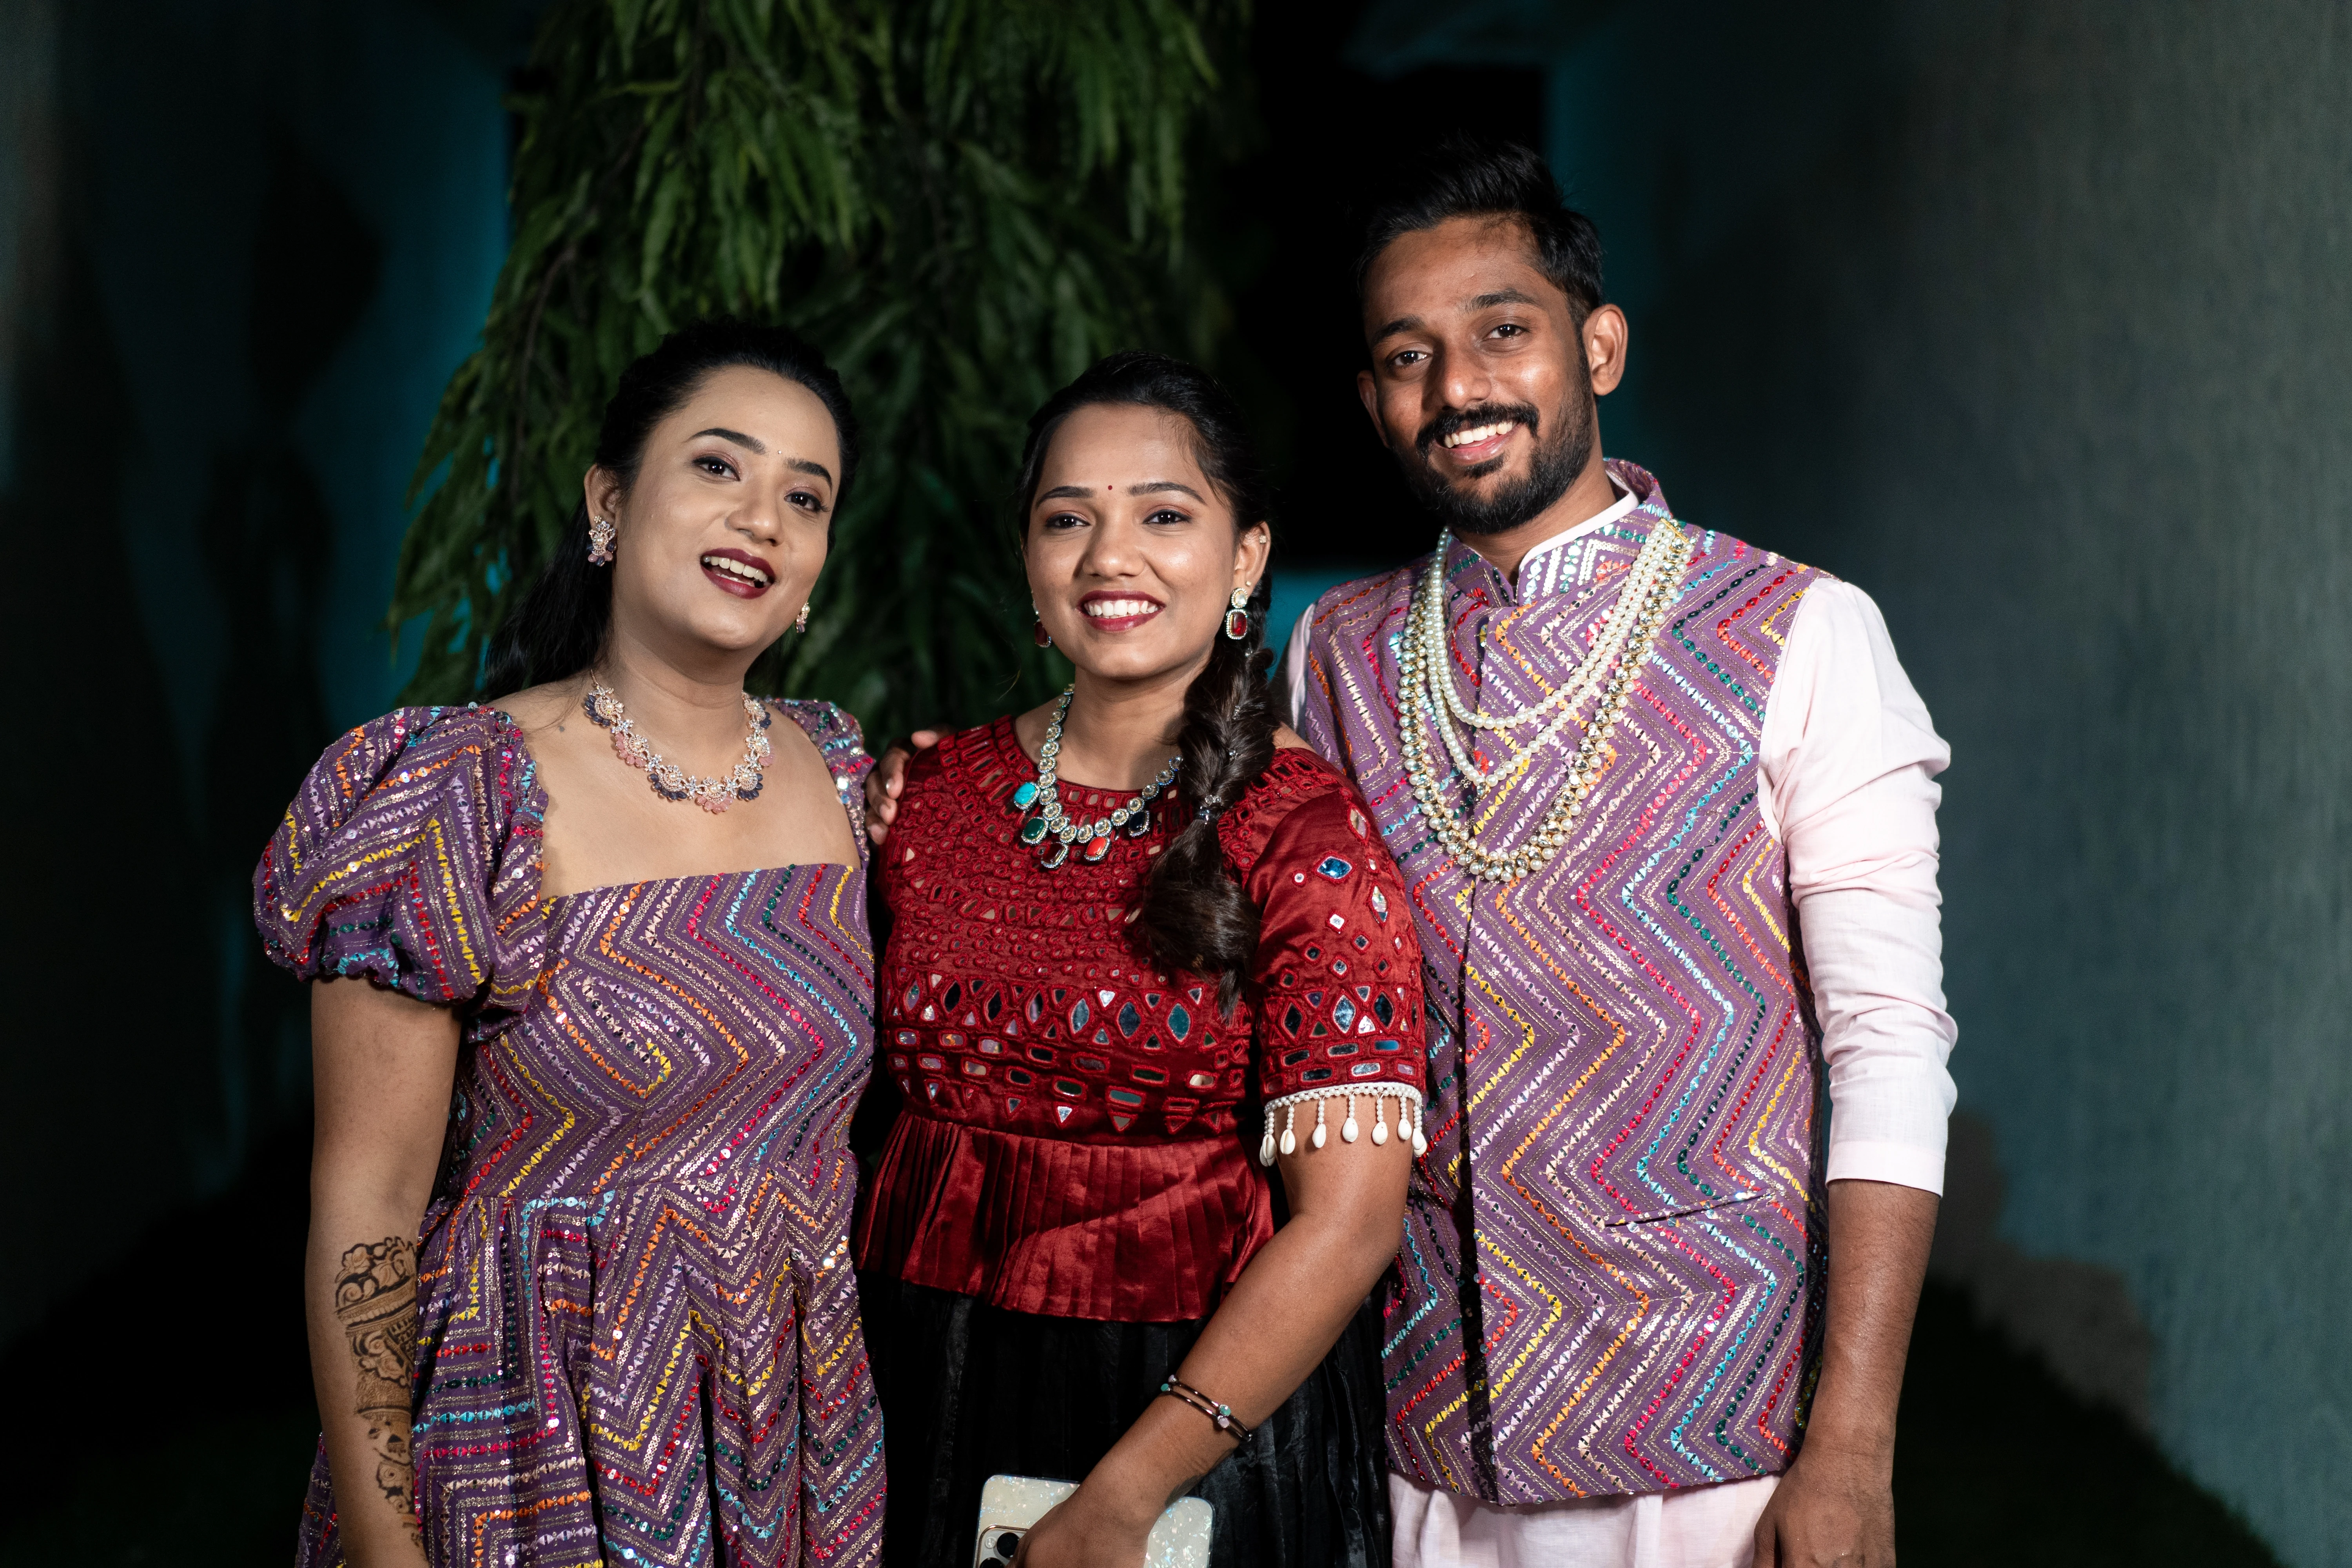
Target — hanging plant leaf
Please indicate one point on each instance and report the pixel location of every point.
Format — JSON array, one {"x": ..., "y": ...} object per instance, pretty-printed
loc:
[{"x": 962, "y": 202}]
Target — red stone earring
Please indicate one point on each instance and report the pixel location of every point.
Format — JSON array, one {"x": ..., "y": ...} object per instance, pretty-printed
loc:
[
  {"x": 1037, "y": 633},
  {"x": 1237, "y": 621}
]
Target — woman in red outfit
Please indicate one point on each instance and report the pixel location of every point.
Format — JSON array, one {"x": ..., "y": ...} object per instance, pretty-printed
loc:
[{"x": 1121, "y": 922}]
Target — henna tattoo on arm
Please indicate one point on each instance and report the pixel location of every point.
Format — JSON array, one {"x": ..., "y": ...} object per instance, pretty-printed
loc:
[{"x": 375, "y": 1302}]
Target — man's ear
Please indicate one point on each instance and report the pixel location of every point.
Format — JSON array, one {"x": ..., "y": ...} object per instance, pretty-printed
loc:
[
  {"x": 1369, "y": 391},
  {"x": 1603, "y": 343}
]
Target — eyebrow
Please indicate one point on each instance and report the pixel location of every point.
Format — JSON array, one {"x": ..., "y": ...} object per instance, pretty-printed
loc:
[
  {"x": 735, "y": 436},
  {"x": 1149, "y": 487},
  {"x": 798, "y": 465},
  {"x": 1476, "y": 303}
]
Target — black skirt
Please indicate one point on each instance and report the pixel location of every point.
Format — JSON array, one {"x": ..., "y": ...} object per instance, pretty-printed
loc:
[{"x": 970, "y": 1391}]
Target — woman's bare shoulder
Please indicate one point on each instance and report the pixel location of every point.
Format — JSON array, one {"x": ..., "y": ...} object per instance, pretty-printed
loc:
[{"x": 540, "y": 708}]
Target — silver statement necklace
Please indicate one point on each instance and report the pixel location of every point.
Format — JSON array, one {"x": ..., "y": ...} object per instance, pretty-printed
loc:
[
  {"x": 669, "y": 780},
  {"x": 1056, "y": 831}
]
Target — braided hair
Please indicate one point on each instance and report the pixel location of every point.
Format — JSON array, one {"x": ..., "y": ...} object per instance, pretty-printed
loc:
[{"x": 1191, "y": 915}]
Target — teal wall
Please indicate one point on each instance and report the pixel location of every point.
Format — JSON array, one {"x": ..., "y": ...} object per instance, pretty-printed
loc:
[
  {"x": 243, "y": 244},
  {"x": 2035, "y": 320}
]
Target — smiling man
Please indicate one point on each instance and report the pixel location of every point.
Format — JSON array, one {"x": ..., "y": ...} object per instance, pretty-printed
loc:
[{"x": 1650, "y": 1309}]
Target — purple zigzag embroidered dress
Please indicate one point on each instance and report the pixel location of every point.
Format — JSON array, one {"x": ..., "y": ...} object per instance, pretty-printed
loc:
[
  {"x": 638, "y": 1336},
  {"x": 1622, "y": 1072}
]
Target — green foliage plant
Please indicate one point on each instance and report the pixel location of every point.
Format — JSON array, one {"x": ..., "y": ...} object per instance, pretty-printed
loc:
[{"x": 962, "y": 202}]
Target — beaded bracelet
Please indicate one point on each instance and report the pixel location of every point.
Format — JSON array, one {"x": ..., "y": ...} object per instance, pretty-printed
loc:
[{"x": 1221, "y": 1416}]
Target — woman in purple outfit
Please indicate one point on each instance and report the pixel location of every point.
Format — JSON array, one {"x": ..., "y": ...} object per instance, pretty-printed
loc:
[{"x": 578, "y": 1282}]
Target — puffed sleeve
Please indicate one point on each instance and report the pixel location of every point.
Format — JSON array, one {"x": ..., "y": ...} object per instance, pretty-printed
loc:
[
  {"x": 411, "y": 855},
  {"x": 1338, "y": 974}
]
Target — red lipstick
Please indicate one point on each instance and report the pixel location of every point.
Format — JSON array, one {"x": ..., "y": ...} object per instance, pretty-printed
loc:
[{"x": 740, "y": 583}]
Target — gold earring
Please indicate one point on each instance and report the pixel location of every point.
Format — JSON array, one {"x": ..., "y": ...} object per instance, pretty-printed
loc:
[
  {"x": 600, "y": 540},
  {"x": 800, "y": 622}
]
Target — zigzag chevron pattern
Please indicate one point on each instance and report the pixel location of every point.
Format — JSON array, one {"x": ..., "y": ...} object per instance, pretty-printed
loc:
[
  {"x": 640, "y": 1339},
  {"x": 1624, "y": 1073}
]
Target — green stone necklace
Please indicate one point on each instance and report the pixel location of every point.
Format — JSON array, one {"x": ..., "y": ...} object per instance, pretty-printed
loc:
[{"x": 1056, "y": 831}]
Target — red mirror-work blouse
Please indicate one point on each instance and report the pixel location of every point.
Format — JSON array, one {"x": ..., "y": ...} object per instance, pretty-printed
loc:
[{"x": 1068, "y": 1144}]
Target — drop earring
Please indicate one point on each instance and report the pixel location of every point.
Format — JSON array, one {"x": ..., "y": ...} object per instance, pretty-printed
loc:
[
  {"x": 800, "y": 622},
  {"x": 1037, "y": 633},
  {"x": 1237, "y": 621},
  {"x": 600, "y": 542}
]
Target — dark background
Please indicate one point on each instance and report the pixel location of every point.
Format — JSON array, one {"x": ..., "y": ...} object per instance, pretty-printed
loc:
[
  {"x": 1288, "y": 217},
  {"x": 2034, "y": 320}
]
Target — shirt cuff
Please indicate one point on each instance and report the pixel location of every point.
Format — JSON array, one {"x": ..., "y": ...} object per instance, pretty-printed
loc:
[{"x": 1900, "y": 1164}]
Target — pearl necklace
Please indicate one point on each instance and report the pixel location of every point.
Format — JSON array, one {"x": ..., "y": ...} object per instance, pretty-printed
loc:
[
  {"x": 1134, "y": 816},
  {"x": 1429, "y": 700},
  {"x": 669, "y": 780},
  {"x": 1659, "y": 558}
]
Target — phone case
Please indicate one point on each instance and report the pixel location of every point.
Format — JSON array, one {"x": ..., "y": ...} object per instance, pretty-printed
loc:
[{"x": 1009, "y": 1505}]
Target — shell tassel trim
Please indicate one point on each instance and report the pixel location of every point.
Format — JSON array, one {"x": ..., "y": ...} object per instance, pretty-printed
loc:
[{"x": 1409, "y": 1125}]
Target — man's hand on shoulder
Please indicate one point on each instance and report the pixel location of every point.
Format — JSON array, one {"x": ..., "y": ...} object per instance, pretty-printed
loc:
[{"x": 888, "y": 780}]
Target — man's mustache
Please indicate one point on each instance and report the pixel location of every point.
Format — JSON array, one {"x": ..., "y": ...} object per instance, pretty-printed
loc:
[{"x": 1458, "y": 419}]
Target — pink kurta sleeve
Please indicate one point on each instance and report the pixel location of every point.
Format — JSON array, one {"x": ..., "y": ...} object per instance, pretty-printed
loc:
[{"x": 1849, "y": 764}]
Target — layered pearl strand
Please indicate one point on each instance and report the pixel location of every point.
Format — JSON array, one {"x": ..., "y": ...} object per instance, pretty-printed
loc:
[
  {"x": 669, "y": 780},
  {"x": 1050, "y": 821},
  {"x": 1430, "y": 701}
]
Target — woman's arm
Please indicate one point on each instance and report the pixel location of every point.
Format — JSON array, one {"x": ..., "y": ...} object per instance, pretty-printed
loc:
[
  {"x": 1347, "y": 1221},
  {"x": 383, "y": 1065}
]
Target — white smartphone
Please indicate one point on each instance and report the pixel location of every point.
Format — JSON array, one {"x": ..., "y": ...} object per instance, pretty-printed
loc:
[{"x": 1009, "y": 1505}]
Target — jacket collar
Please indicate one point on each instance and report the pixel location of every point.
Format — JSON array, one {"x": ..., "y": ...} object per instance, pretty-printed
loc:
[{"x": 1576, "y": 560}]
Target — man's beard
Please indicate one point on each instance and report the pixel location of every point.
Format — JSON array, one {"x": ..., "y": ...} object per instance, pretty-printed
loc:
[{"x": 1555, "y": 467}]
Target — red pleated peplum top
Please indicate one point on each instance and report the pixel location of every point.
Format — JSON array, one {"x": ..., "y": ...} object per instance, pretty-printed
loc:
[{"x": 1068, "y": 1140}]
